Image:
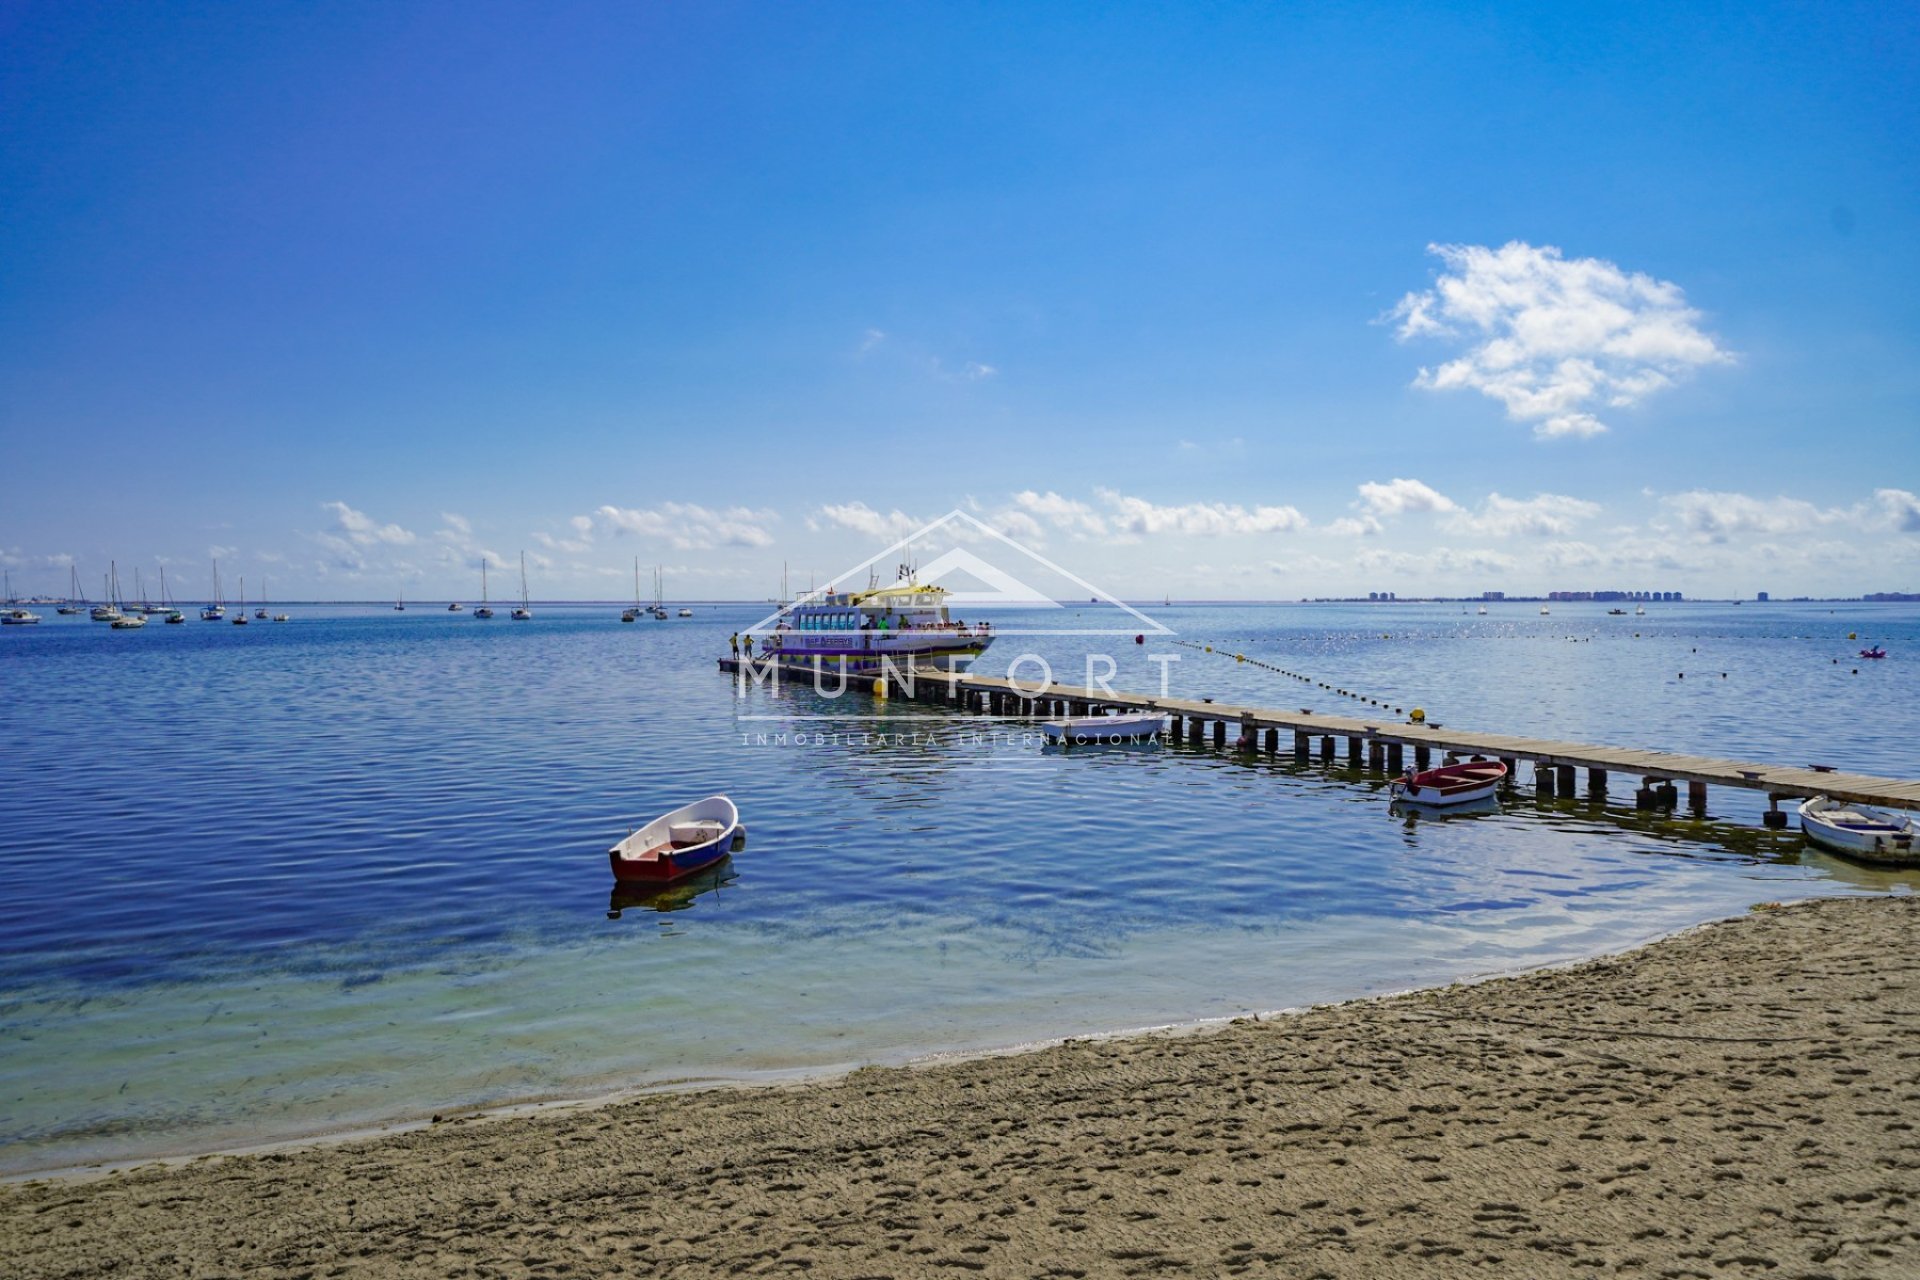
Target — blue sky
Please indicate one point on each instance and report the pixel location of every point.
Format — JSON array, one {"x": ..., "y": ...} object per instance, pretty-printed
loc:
[{"x": 1260, "y": 301}]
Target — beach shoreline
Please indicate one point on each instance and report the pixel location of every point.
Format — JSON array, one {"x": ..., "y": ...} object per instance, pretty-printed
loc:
[
  {"x": 1729, "y": 1100},
  {"x": 770, "y": 1078}
]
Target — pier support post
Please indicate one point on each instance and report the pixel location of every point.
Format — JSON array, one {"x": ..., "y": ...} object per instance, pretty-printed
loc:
[
  {"x": 1421, "y": 757},
  {"x": 1543, "y": 775},
  {"x": 1174, "y": 730},
  {"x": 1669, "y": 796},
  {"x": 1249, "y": 736},
  {"x": 1513, "y": 766},
  {"x": 1394, "y": 757},
  {"x": 1302, "y": 745},
  {"x": 1774, "y": 818},
  {"x": 1326, "y": 749},
  {"x": 1646, "y": 797},
  {"x": 1376, "y": 755},
  {"x": 1219, "y": 733},
  {"x": 1354, "y": 747},
  {"x": 1567, "y": 776},
  {"x": 1272, "y": 742},
  {"x": 1596, "y": 784},
  {"x": 1697, "y": 798}
]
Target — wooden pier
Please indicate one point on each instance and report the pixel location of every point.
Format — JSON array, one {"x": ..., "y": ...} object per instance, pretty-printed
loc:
[{"x": 1385, "y": 745}]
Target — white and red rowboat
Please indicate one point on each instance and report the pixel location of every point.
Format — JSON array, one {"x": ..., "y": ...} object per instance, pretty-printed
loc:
[
  {"x": 1451, "y": 784},
  {"x": 675, "y": 844}
]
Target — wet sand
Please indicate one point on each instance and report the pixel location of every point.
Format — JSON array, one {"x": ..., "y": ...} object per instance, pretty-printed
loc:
[{"x": 1738, "y": 1100}]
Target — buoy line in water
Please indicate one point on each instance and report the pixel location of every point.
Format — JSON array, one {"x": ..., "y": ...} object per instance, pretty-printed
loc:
[{"x": 1242, "y": 658}]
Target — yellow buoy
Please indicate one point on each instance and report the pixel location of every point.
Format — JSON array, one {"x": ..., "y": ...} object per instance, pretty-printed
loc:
[
  {"x": 1209, "y": 648},
  {"x": 880, "y": 687},
  {"x": 1417, "y": 715},
  {"x": 1239, "y": 657},
  {"x": 1852, "y": 636}
]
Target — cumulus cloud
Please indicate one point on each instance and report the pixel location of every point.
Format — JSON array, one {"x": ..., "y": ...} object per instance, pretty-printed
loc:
[
  {"x": 690, "y": 527},
  {"x": 1543, "y": 515},
  {"x": 1140, "y": 517},
  {"x": 861, "y": 518},
  {"x": 1900, "y": 508},
  {"x": 1062, "y": 513},
  {"x": 1719, "y": 517},
  {"x": 1397, "y": 496},
  {"x": 581, "y": 540},
  {"x": 1554, "y": 339},
  {"x": 362, "y": 529}
]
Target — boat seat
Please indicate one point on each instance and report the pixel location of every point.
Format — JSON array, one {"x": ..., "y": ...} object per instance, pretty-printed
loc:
[{"x": 682, "y": 835}]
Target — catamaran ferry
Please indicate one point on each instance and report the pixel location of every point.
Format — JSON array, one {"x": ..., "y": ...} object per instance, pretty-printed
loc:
[{"x": 907, "y": 623}]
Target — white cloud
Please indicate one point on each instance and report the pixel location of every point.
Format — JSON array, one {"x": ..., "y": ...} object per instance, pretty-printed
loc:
[
  {"x": 974, "y": 371},
  {"x": 861, "y": 518},
  {"x": 1718, "y": 517},
  {"x": 1543, "y": 515},
  {"x": 1900, "y": 508},
  {"x": 1398, "y": 496},
  {"x": 1356, "y": 527},
  {"x": 1140, "y": 517},
  {"x": 1061, "y": 513},
  {"x": 690, "y": 527},
  {"x": 1554, "y": 339},
  {"x": 362, "y": 529}
]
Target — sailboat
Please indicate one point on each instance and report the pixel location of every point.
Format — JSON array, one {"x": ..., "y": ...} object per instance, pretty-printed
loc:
[
  {"x": 123, "y": 619},
  {"x": 630, "y": 615},
  {"x": 75, "y": 600},
  {"x": 240, "y": 615},
  {"x": 147, "y": 607},
  {"x": 659, "y": 609},
  {"x": 173, "y": 615},
  {"x": 1639, "y": 611},
  {"x": 485, "y": 610},
  {"x": 218, "y": 609},
  {"x": 522, "y": 614},
  {"x": 106, "y": 610},
  {"x": 261, "y": 612},
  {"x": 400, "y": 602},
  {"x": 14, "y": 615}
]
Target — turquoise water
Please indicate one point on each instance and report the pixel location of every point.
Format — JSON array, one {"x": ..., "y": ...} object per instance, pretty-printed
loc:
[{"x": 265, "y": 882}]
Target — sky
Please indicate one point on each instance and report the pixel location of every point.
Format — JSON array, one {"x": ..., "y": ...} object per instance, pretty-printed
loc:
[{"x": 1218, "y": 301}]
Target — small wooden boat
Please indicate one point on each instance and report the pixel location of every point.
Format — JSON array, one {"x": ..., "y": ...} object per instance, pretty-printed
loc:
[
  {"x": 1451, "y": 784},
  {"x": 1875, "y": 652},
  {"x": 1870, "y": 834},
  {"x": 1127, "y": 726},
  {"x": 673, "y": 845}
]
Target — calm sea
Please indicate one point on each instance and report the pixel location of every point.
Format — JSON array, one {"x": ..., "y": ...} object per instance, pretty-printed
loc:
[{"x": 265, "y": 882}]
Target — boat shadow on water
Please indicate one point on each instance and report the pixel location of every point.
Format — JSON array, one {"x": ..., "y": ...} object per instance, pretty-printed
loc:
[
  {"x": 676, "y": 895},
  {"x": 1413, "y": 813}
]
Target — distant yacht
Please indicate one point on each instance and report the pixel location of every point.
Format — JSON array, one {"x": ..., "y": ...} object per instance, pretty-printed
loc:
[
  {"x": 1483, "y": 610},
  {"x": 15, "y": 616},
  {"x": 400, "y": 603},
  {"x": 1639, "y": 611},
  {"x": 633, "y": 614},
  {"x": 76, "y": 599},
  {"x": 218, "y": 609},
  {"x": 485, "y": 610},
  {"x": 240, "y": 616},
  {"x": 261, "y": 612},
  {"x": 523, "y": 614},
  {"x": 1544, "y": 611}
]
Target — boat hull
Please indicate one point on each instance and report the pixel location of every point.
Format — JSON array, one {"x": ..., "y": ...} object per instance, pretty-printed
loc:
[
  {"x": 1094, "y": 730},
  {"x": 1452, "y": 785},
  {"x": 658, "y": 853},
  {"x": 1880, "y": 838}
]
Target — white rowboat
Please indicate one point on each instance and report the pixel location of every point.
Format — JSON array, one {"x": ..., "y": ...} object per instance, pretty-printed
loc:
[
  {"x": 1870, "y": 834},
  {"x": 1128, "y": 726}
]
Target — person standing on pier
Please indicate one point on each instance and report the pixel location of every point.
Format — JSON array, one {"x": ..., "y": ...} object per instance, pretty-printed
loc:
[
  {"x": 749, "y": 646},
  {"x": 735, "y": 641}
]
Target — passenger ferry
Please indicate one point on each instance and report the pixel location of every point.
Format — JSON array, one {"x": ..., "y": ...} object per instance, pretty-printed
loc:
[{"x": 908, "y": 622}]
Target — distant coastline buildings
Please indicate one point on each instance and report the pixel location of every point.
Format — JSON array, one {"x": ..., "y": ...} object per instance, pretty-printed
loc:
[{"x": 1614, "y": 595}]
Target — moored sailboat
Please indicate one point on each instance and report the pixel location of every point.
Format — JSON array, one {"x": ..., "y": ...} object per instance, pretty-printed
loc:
[
  {"x": 485, "y": 610},
  {"x": 523, "y": 613}
]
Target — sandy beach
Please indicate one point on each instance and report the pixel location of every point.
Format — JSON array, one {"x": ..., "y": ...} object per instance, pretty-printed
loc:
[{"x": 1737, "y": 1100}]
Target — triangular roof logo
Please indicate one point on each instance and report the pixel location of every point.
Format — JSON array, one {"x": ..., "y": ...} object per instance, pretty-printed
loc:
[{"x": 997, "y": 587}]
